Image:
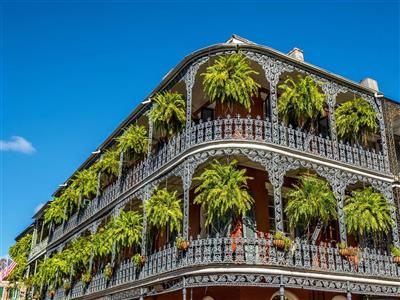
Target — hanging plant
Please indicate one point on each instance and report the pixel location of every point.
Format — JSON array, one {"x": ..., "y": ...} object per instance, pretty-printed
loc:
[
  {"x": 86, "y": 278},
  {"x": 19, "y": 253},
  {"x": 108, "y": 271},
  {"x": 181, "y": 244},
  {"x": 230, "y": 80},
  {"x": 301, "y": 103},
  {"x": 133, "y": 142},
  {"x": 85, "y": 183},
  {"x": 396, "y": 254},
  {"x": 223, "y": 192},
  {"x": 126, "y": 229},
  {"x": 66, "y": 285},
  {"x": 168, "y": 113},
  {"x": 56, "y": 212},
  {"x": 367, "y": 212},
  {"x": 310, "y": 201},
  {"x": 164, "y": 208},
  {"x": 139, "y": 260},
  {"x": 109, "y": 163},
  {"x": 356, "y": 121},
  {"x": 280, "y": 241}
]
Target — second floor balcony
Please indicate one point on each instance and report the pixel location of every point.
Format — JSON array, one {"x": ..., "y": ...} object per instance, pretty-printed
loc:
[
  {"x": 221, "y": 261},
  {"x": 219, "y": 133}
]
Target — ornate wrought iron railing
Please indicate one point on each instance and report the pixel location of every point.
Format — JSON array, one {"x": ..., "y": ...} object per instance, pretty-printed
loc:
[
  {"x": 38, "y": 248},
  {"x": 230, "y": 252},
  {"x": 229, "y": 129}
]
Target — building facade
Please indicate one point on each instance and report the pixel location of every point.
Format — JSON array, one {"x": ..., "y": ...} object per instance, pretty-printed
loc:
[{"x": 249, "y": 266}]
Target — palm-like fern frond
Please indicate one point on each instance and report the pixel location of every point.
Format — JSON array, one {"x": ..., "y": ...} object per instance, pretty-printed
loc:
[
  {"x": 301, "y": 102},
  {"x": 230, "y": 80},
  {"x": 85, "y": 183},
  {"x": 168, "y": 113},
  {"x": 356, "y": 121},
  {"x": 19, "y": 252},
  {"x": 109, "y": 163},
  {"x": 367, "y": 211},
  {"x": 133, "y": 141},
  {"x": 126, "y": 229},
  {"x": 223, "y": 191},
  {"x": 164, "y": 208},
  {"x": 309, "y": 201},
  {"x": 56, "y": 212}
]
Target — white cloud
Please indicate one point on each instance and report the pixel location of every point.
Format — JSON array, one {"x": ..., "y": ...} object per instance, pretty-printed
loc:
[
  {"x": 38, "y": 207},
  {"x": 17, "y": 144}
]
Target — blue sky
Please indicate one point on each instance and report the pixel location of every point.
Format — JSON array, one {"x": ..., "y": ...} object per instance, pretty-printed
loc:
[{"x": 71, "y": 72}]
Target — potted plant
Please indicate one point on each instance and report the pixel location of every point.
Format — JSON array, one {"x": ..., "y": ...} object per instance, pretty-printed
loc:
[
  {"x": 139, "y": 260},
  {"x": 280, "y": 241},
  {"x": 182, "y": 244},
  {"x": 164, "y": 211},
  {"x": 356, "y": 129},
  {"x": 86, "y": 278},
  {"x": 396, "y": 254},
  {"x": 223, "y": 194},
  {"x": 367, "y": 212},
  {"x": 230, "y": 80},
  {"x": 352, "y": 257},
  {"x": 108, "y": 271},
  {"x": 301, "y": 103},
  {"x": 310, "y": 202},
  {"x": 66, "y": 285},
  {"x": 51, "y": 291},
  {"x": 343, "y": 251},
  {"x": 133, "y": 143},
  {"x": 168, "y": 113}
]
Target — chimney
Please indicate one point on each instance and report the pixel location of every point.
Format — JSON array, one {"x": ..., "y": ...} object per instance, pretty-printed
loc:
[
  {"x": 370, "y": 83},
  {"x": 297, "y": 53}
]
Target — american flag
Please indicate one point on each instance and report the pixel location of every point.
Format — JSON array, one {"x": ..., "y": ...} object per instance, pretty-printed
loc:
[{"x": 7, "y": 266}]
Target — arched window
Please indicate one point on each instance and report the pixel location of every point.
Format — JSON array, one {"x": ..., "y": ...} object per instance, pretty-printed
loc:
[{"x": 288, "y": 296}]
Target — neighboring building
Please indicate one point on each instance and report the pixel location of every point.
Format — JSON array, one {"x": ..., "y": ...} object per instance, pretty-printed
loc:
[{"x": 274, "y": 155}]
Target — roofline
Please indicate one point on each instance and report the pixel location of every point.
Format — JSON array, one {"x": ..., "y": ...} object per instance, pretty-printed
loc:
[
  {"x": 193, "y": 56},
  {"x": 24, "y": 232}
]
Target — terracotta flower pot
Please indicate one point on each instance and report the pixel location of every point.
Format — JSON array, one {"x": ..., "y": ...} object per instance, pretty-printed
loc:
[
  {"x": 51, "y": 293},
  {"x": 396, "y": 259},
  {"x": 280, "y": 244},
  {"x": 344, "y": 252},
  {"x": 183, "y": 245}
]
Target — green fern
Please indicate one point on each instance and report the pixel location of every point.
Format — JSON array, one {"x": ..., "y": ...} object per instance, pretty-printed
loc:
[
  {"x": 301, "y": 102},
  {"x": 56, "y": 212},
  {"x": 168, "y": 113},
  {"x": 164, "y": 208},
  {"x": 367, "y": 211},
  {"x": 126, "y": 229},
  {"x": 19, "y": 253},
  {"x": 356, "y": 121},
  {"x": 85, "y": 183},
  {"x": 133, "y": 141},
  {"x": 310, "y": 201},
  {"x": 109, "y": 163},
  {"x": 229, "y": 80},
  {"x": 222, "y": 192}
]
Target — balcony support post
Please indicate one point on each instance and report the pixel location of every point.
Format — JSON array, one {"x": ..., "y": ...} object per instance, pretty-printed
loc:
[
  {"x": 282, "y": 289},
  {"x": 145, "y": 196},
  {"x": 331, "y": 90},
  {"x": 184, "y": 292},
  {"x": 338, "y": 188},
  {"x": 277, "y": 173},
  {"x": 188, "y": 169},
  {"x": 150, "y": 136},
  {"x": 189, "y": 78}
]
